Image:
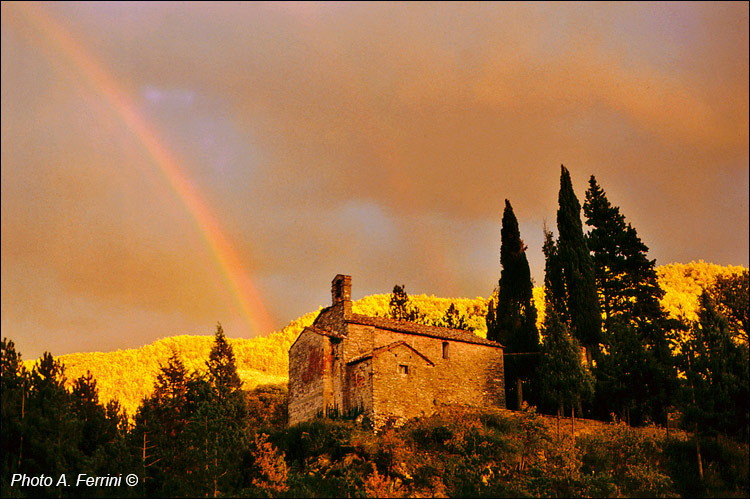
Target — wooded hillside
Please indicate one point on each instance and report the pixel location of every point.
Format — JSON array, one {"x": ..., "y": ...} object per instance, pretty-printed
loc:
[{"x": 128, "y": 375}]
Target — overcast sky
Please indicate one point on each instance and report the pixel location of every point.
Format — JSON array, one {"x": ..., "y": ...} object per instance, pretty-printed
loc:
[{"x": 166, "y": 166}]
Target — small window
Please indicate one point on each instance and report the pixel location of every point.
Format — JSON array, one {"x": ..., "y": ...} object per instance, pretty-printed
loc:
[
  {"x": 446, "y": 350},
  {"x": 403, "y": 369}
]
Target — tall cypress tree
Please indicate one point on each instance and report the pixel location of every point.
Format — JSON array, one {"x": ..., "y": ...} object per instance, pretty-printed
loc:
[
  {"x": 577, "y": 270},
  {"x": 554, "y": 287},
  {"x": 515, "y": 316},
  {"x": 562, "y": 377}
]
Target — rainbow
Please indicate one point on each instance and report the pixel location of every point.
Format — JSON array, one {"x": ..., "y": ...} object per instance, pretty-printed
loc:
[{"x": 243, "y": 290}]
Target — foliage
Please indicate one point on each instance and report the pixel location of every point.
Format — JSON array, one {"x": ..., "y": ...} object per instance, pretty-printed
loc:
[
  {"x": 564, "y": 380},
  {"x": 128, "y": 376},
  {"x": 514, "y": 319},
  {"x": 731, "y": 295},
  {"x": 453, "y": 319},
  {"x": 683, "y": 284},
  {"x": 634, "y": 372},
  {"x": 49, "y": 430},
  {"x": 725, "y": 467},
  {"x": 190, "y": 435},
  {"x": 715, "y": 391},
  {"x": 575, "y": 261},
  {"x": 267, "y": 406},
  {"x": 401, "y": 308},
  {"x": 626, "y": 462},
  {"x": 269, "y": 469}
]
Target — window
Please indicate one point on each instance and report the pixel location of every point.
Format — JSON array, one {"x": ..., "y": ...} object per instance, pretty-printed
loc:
[
  {"x": 446, "y": 350},
  {"x": 402, "y": 369}
]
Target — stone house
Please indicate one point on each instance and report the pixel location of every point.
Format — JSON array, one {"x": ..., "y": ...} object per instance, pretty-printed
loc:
[{"x": 387, "y": 369}]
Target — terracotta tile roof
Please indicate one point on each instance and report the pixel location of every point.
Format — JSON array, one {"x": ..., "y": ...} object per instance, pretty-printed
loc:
[{"x": 420, "y": 329}]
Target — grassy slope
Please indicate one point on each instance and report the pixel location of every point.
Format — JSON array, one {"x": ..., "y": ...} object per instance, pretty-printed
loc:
[{"x": 129, "y": 375}]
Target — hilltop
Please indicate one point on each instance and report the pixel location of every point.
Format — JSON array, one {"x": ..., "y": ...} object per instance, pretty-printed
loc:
[{"x": 128, "y": 375}]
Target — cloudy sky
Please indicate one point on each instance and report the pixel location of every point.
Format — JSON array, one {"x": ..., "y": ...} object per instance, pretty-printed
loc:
[{"x": 166, "y": 166}]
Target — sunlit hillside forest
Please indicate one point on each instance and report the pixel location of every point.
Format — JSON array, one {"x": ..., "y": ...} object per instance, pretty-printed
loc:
[
  {"x": 200, "y": 434},
  {"x": 128, "y": 375},
  {"x": 655, "y": 361}
]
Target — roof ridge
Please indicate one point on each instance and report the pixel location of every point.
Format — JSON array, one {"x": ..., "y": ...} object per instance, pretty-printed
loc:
[{"x": 420, "y": 329}]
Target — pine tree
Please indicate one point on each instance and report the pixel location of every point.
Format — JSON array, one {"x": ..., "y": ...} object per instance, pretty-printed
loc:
[
  {"x": 626, "y": 375},
  {"x": 93, "y": 416},
  {"x": 626, "y": 279},
  {"x": 577, "y": 270},
  {"x": 629, "y": 295},
  {"x": 222, "y": 367},
  {"x": 401, "y": 308},
  {"x": 159, "y": 423},
  {"x": 53, "y": 433},
  {"x": 453, "y": 319},
  {"x": 221, "y": 422},
  {"x": 515, "y": 316},
  {"x": 14, "y": 382}
]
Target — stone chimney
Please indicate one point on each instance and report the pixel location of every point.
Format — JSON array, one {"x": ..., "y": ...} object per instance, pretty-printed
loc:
[{"x": 341, "y": 291}]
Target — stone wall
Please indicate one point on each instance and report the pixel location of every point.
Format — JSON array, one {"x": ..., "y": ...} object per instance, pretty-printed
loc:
[
  {"x": 358, "y": 387},
  {"x": 471, "y": 374},
  {"x": 403, "y": 385},
  {"x": 307, "y": 376},
  {"x": 348, "y": 362}
]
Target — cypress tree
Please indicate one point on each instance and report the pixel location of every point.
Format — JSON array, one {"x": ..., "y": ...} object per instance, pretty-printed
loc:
[
  {"x": 562, "y": 377},
  {"x": 577, "y": 270},
  {"x": 554, "y": 286},
  {"x": 515, "y": 315}
]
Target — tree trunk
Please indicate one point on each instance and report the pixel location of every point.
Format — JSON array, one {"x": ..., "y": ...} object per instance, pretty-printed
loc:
[
  {"x": 573, "y": 421},
  {"x": 700, "y": 461},
  {"x": 559, "y": 411},
  {"x": 519, "y": 394}
]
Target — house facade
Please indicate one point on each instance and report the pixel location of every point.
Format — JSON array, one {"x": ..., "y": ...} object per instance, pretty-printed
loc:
[{"x": 386, "y": 369}]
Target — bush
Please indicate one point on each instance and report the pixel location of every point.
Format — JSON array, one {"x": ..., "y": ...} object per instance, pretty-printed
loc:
[{"x": 725, "y": 467}]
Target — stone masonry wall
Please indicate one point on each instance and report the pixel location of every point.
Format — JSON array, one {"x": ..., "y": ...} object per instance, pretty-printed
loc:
[
  {"x": 403, "y": 385},
  {"x": 321, "y": 375},
  {"x": 359, "y": 389},
  {"x": 306, "y": 377},
  {"x": 471, "y": 375}
]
